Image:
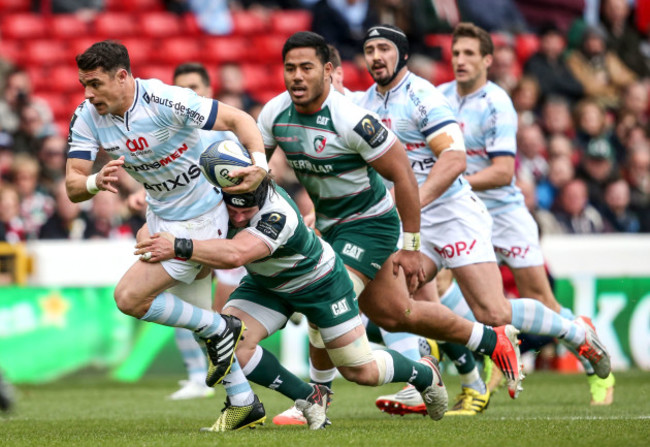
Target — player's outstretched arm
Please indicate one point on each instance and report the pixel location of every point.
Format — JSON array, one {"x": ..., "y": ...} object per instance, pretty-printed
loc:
[
  {"x": 81, "y": 185},
  {"x": 243, "y": 249},
  {"x": 394, "y": 166},
  {"x": 245, "y": 127}
]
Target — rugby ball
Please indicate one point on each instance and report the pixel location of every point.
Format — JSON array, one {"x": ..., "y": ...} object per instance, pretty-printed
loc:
[{"x": 222, "y": 157}]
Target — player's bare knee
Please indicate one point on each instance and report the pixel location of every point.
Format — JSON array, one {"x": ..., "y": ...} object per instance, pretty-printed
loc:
[
  {"x": 492, "y": 316},
  {"x": 366, "y": 375}
]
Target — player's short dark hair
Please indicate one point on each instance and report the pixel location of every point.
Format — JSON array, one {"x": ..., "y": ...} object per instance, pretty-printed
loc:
[
  {"x": 308, "y": 39},
  {"x": 108, "y": 55},
  {"x": 335, "y": 56},
  {"x": 466, "y": 29},
  {"x": 193, "y": 67}
]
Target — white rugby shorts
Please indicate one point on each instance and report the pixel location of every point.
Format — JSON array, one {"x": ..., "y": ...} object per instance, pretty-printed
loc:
[
  {"x": 230, "y": 277},
  {"x": 457, "y": 232},
  {"x": 211, "y": 225},
  {"x": 515, "y": 238}
]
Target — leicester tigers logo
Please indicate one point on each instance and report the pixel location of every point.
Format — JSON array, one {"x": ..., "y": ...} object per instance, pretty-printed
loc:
[{"x": 319, "y": 143}]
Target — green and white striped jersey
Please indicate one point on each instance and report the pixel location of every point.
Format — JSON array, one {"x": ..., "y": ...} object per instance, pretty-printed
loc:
[
  {"x": 329, "y": 151},
  {"x": 298, "y": 257}
]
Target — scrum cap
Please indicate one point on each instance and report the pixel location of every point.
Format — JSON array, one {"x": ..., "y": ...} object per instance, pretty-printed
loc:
[
  {"x": 394, "y": 35},
  {"x": 249, "y": 199}
]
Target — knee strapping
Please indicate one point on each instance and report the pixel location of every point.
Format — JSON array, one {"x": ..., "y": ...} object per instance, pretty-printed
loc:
[
  {"x": 357, "y": 283},
  {"x": 315, "y": 338},
  {"x": 356, "y": 353}
]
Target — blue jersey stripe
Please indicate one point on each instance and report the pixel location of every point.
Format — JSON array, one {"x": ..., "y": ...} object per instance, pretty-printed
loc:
[
  {"x": 500, "y": 154},
  {"x": 84, "y": 155},
  {"x": 209, "y": 124},
  {"x": 437, "y": 126}
]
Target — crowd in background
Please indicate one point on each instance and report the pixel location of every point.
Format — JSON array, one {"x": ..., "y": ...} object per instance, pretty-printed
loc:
[{"x": 582, "y": 97}]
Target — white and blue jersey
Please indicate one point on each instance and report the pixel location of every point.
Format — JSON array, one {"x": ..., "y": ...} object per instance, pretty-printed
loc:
[
  {"x": 489, "y": 124},
  {"x": 415, "y": 110},
  {"x": 161, "y": 141}
]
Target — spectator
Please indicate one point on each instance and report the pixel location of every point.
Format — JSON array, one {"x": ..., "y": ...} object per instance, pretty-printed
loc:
[
  {"x": 626, "y": 122},
  {"x": 36, "y": 206},
  {"x": 525, "y": 98},
  {"x": 635, "y": 101},
  {"x": 637, "y": 174},
  {"x": 560, "y": 12},
  {"x": 66, "y": 222},
  {"x": 437, "y": 16},
  {"x": 531, "y": 153},
  {"x": 591, "y": 122},
  {"x": 343, "y": 24},
  {"x": 617, "y": 215},
  {"x": 597, "y": 167},
  {"x": 560, "y": 172},
  {"x": 17, "y": 94},
  {"x": 573, "y": 211},
  {"x": 561, "y": 146},
  {"x": 600, "y": 71},
  {"x": 505, "y": 71},
  {"x": 556, "y": 117},
  {"x": 503, "y": 15},
  {"x": 6, "y": 155},
  {"x": 232, "y": 89},
  {"x": 546, "y": 221},
  {"x": 213, "y": 16},
  {"x": 548, "y": 66},
  {"x": 52, "y": 158},
  {"x": 105, "y": 218},
  {"x": 622, "y": 36},
  {"x": 33, "y": 128},
  {"x": 12, "y": 227},
  {"x": 85, "y": 10},
  {"x": 402, "y": 14}
]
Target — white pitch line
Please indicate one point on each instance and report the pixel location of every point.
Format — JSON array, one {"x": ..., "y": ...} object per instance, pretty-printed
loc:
[{"x": 575, "y": 418}]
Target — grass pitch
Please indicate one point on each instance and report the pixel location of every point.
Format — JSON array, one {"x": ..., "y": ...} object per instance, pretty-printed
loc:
[{"x": 553, "y": 410}]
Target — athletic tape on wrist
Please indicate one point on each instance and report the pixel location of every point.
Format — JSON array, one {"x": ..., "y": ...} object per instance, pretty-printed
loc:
[
  {"x": 91, "y": 184},
  {"x": 411, "y": 241},
  {"x": 260, "y": 160},
  {"x": 183, "y": 248}
]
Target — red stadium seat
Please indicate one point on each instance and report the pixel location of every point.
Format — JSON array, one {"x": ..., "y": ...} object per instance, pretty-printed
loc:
[
  {"x": 141, "y": 51},
  {"x": 442, "y": 41},
  {"x": 159, "y": 25},
  {"x": 219, "y": 50},
  {"x": 256, "y": 77},
  {"x": 65, "y": 79},
  {"x": 115, "y": 25},
  {"x": 60, "y": 104},
  {"x": 249, "y": 23},
  {"x": 163, "y": 72},
  {"x": 39, "y": 77},
  {"x": 78, "y": 46},
  {"x": 275, "y": 82},
  {"x": 526, "y": 45},
  {"x": 23, "y": 26},
  {"x": 7, "y": 6},
  {"x": 177, "y": 49},
  {"x": 442, "y": 73},
  {"x": 134, "y": 5},
  {"x": 11, "y": 50},
  {"x": 66, "y": 26},
  {"x": 267, "y": 49},
  {"x": 351, "y": 75},
  {"x": 287, "y": 22},
  {"x": 45, "y": 52}
]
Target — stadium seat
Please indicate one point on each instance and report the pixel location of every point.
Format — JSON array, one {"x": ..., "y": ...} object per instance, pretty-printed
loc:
[
  {"x": 141, "y": 51},
  {"x": 78, "y": 46},
  {"x": 443, "y": 72},
  {"x": 23, "y": 26},
  {"x": 267, "y": 49},
  {"x": 217, "y": 50},
  {"x": 159, "y": 25},
  {"x": 163, "y": 72},
  {"x": 45, "y": 52},
  {"x": 275, "y": 82},
  {"x": 176, "y": 50},
  {"x": 66, "y": 26},
  {"x": 351, "y": 75},
  {"x": 62, "y": 107},
  {"x": 11, "y": 50},
  {"x": 7, "y": 6},
  {"x": 287, "y": 22},
  {"x": 64, "y": 79},
  {"x": 190, "y": 26},
  {"x": 134, "y": 5},
  {"x": 526, "y": 45},
  {"x": 115, "y": 25},
  {"x": 256, "y": 77},
  {"x": 442, "y": 41},
  {"x": 249, "y": 23},
  {"x": 39, "y": 77}
]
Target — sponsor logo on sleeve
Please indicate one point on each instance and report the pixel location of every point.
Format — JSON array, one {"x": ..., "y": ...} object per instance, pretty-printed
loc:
[
  {"x": 372, "y": 131},
  {"x": 271, "y": 224}
]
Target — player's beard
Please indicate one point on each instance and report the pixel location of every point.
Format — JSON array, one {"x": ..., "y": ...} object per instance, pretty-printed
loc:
[{"x": 314, "y": 93}]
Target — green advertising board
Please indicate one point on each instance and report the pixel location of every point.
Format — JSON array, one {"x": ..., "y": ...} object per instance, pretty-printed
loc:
[{"x": 620, "y": 310}]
